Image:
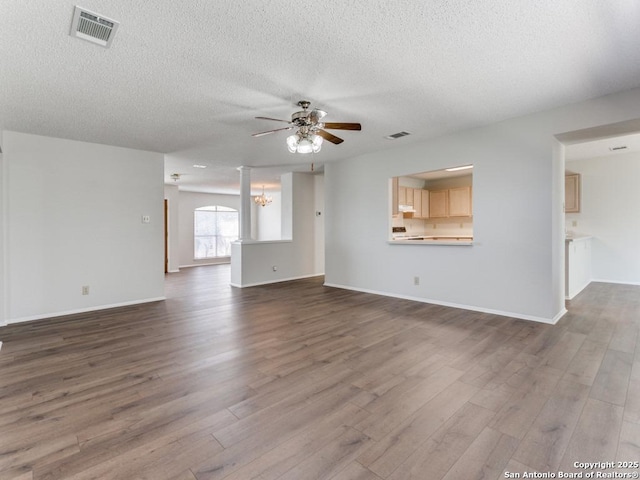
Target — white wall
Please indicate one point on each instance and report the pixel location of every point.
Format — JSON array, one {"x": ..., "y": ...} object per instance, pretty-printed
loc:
[
  {"x": 3, "y": 294},
  {"x": 302, "y": 262},
  {"x": 188, "y": 202},
  {"x": 268, "y": 219},
  {"x": 287, "y": 198},
  {"x": 252, "y": 262},
  {"x": 318, "y": 190},
  {"x": 609, "y": 212},
  {"x": 515, "y": 266},
  {"x": 74, "y": 218}
]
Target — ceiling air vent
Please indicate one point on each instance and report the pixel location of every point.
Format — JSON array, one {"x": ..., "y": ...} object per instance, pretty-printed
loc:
[
  {"x": 397, "y": 135},
  {"x": 93, "y": 27},
  {"x": 615, "y": 149}
]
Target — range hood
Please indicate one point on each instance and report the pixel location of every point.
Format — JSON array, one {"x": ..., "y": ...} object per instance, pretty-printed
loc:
[{"x": 406, "y": 209}]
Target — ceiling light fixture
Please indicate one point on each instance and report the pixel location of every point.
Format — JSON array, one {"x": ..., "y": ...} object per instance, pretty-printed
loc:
[
  {"x": 199, "y": 166},
  {"x": 304, "y": 142},
  {"x": 455, "y": 169},
  {"x": 262, "y": 200}
]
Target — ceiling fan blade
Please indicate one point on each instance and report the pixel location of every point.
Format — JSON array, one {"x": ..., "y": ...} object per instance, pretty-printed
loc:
[
  {"x": 316, "y": 115},
  {"x": 271, "y": 131},
  {"x": 274, "y": 119},
  {"x": 330, "y": 137},
  {"x": 343, "y": 126}
]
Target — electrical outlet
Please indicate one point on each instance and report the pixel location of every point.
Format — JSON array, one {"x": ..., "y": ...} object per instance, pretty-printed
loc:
[
  {"x": 85, "y": 289},
  {"x": 416, "y": 280},
  {"x": 275, "y": 268},
  {"x": 146, "y": 219}
]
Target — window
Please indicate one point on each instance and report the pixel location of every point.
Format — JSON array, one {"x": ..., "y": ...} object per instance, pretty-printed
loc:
[{"x": 215, "y": 227}]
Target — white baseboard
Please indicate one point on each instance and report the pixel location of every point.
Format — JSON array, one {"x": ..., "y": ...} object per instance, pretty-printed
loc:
[
  {"x": 616, "y": 282},
  {"x": 572, "y": 295},
  {"x": 550, "y": 321},
  {"x": 268, "y": 282},
  {"x": 226, "y": 262},
  {"x": 83, "y": 310}
]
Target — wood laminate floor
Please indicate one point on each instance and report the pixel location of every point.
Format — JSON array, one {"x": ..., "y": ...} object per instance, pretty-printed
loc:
[{"x": 298, "y": 381}]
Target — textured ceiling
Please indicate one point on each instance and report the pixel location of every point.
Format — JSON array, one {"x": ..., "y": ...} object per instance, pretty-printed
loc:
[{"x": 188, "y": 78}]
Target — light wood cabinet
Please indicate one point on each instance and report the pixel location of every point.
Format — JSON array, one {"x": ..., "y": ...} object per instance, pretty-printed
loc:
[
  {"x": 453, "y": 202},
  {"x": 425, "y": 203},
  {"x": 402, "y": 195},
  {"x": 405, "y": 196},
  {"x": 417, "y": 203},
  {"x": 438, "y": 203},
  {"x": 420, "y": 203},
  {"x": 572, "y": 193},
  {"x": 394, "y": 195},
  {"x": 460, "y": 202}
]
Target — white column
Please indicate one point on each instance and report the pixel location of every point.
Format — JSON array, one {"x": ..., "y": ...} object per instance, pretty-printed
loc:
[
  {"x": 4, "y": 218},
  {"x": 245, "y": 203}
]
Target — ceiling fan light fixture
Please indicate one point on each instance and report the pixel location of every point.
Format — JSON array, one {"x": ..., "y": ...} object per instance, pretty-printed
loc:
[
  {"x": 300, "y": 143},
  {"x": 305, "y": 146},
  {"x": 292, "y": 142},
  {"x": 310, "y": 129}
]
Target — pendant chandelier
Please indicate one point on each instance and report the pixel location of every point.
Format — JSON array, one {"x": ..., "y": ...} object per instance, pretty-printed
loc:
[{"x": 262, "y": 200}]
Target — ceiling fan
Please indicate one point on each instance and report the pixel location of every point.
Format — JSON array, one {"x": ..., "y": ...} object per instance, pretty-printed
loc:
[{"x": 310, "y": 127}]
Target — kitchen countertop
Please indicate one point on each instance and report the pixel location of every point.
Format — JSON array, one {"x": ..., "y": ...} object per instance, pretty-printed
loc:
[
  {"x": 433, "y": 240},
  {"x": 577, "y": 238}
]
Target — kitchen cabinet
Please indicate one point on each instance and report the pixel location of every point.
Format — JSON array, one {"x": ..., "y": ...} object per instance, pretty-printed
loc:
[
  {"x": 417, "y": 203},
  {"x": 438, "y": 203},
  {"x": 402, "y": 195},
  {"x": 394, "y": 195},
  {"x": 405, "y": 196},
  {"x": 460, "y": 202},
  {"x": 415, "y": 198},
  {"x": 572, "y": 193},
  {"x": 425, "y": 203},
  {"x": 420, "y": 203},
  {"x": 452, "y": 202}
]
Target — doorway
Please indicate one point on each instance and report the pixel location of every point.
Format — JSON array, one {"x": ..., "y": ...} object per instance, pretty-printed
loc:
[{"x": 603, "y": 230}]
